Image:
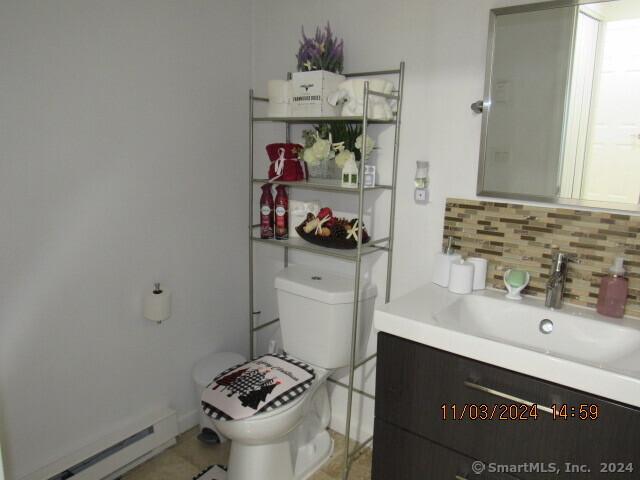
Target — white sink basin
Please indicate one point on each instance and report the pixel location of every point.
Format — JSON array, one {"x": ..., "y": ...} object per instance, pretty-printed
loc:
[
  {"x": 589, "y": 340},
  {"x": 582, "y": 349}
]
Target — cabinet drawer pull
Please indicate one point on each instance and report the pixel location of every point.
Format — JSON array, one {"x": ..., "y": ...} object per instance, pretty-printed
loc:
[{"x": 506, "y": 396}]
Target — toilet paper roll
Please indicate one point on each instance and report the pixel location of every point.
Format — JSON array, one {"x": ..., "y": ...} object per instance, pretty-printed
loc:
[
  {"x": 279, "y": 93},
  {"x": 442, "y": 267},
  {"x": 461, "y": 277},
  {"x": 157, "y": 305},
  {"x": 479, "y": 273}
]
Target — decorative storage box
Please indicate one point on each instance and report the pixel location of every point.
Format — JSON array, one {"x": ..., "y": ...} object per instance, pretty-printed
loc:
[{"x": 310, "y": 92}]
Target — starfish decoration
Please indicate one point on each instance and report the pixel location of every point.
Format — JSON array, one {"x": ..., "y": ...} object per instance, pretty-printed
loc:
[
  {"x": 353, "y": 232},
  {"x": 321, "y": 222},
  {"x": 308, "y": 65}
]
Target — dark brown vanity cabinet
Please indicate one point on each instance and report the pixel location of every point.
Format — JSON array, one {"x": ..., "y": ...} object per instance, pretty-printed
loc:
[
  {"x": 401, "y": 455},
  {"x": 420, "y": 389}
]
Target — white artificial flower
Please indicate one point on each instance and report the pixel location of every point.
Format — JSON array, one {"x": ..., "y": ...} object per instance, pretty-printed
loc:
[
  {"x": 343, "y": 157},
  {"x": 310, "y": 157},
  {"x": 337, "y": 147},
  {"x": 321, "y": 148},
  {"x": 370, "y": 145}
]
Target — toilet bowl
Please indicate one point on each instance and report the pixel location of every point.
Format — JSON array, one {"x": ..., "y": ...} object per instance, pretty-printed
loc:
[{"x": 291, "y": 441}]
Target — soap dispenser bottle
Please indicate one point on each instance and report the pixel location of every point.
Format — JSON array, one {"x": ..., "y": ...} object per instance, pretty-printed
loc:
[{"x": 614, "y": 289}]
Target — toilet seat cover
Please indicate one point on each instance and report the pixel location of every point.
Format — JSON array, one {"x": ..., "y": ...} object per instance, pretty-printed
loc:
[{"x": 261, "y": 385}]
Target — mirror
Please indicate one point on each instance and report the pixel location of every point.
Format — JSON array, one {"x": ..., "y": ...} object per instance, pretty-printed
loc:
[{"x": 561, "y": 113}]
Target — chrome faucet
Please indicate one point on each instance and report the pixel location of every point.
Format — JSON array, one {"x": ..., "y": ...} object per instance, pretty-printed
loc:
[{"x": 557, "y": 279}]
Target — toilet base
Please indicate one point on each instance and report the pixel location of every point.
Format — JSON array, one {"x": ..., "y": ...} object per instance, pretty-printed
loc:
[
  {"x": 312, "y": 456},
  {"x": 275, "y": 461}
]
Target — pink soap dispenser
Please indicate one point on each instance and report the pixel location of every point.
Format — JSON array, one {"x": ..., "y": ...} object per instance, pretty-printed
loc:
[{"x": 613, "y": 291}]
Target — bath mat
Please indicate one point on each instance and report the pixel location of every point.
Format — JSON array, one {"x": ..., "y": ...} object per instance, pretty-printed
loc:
[
  {"x": 214, "y": 472},
  {"x": 258, "y": 386}
]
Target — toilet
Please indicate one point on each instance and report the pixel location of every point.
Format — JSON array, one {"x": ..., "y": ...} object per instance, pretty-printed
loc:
[{"x": 291, "y": 442}]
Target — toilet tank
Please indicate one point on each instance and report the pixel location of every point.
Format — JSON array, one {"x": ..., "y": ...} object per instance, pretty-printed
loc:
[{"x": 316, "y": 313}]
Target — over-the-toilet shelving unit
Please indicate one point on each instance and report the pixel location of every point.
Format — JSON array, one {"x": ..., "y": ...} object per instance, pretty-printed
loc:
[{"x": 355, "y": 256}]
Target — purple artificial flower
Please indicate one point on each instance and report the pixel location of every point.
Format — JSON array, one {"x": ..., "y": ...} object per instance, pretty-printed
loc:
[{"x": 322, "y": 52}]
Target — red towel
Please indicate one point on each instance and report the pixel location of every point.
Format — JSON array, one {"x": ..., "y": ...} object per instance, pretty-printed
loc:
[{"x": 285, "y": 164}]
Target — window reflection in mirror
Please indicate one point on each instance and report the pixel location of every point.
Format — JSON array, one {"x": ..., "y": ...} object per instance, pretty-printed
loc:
[{"x": 562, "y": 112}]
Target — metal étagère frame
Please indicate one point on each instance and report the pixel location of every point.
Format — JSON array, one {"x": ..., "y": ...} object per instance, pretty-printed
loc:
[{"x": 355, "y": 256}]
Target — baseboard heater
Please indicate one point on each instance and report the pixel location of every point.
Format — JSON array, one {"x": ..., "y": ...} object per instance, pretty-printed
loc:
[{"x": 116, "y": 453}]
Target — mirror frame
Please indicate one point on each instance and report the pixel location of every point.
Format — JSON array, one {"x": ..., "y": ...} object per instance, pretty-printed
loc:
[{"x": 486, "y": 110}]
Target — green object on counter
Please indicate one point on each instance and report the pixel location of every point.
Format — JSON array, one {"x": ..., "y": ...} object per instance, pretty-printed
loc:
[{"x": 516, "y": 278}]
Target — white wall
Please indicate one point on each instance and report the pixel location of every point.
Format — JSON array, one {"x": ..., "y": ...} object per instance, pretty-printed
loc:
[
  {"x": 122, "y": 161},
  {"x": 444, "y": 45},
  {"x": 585, "y": 63}
]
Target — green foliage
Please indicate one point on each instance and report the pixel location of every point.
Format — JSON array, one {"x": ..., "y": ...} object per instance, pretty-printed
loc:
[{"x": 342, "y": 132}]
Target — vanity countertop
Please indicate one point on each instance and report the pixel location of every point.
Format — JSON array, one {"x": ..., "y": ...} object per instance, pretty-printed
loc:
[{"x": 585, "y": 350}]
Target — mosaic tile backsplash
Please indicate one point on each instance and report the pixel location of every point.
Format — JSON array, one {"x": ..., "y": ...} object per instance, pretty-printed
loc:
[{"x": 525, "y": 237}]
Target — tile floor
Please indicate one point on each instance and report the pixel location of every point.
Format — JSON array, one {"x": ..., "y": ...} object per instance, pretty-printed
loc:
[{"x": 190, "y": 456}]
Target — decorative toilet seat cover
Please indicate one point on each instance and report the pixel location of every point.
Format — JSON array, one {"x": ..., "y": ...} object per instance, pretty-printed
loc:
[{"x": 257, "y": 386}]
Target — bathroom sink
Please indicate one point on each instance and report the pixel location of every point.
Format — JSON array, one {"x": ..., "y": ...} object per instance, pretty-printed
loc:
[
  {"x": 574, "y": 346},
  {"x": 594, "y": 341}
]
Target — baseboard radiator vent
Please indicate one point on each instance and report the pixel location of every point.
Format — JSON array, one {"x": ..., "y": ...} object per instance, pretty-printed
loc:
[
  {"x": 117, "y": 453},
  {"x": 103, "y": 455}
]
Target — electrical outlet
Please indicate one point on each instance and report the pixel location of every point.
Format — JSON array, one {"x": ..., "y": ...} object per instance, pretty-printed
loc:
[
  {"x": 421, "y": 195},
  {"x": 421, "y": 182}
]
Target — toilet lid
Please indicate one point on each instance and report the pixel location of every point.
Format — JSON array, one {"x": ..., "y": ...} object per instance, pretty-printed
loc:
[
  {"x": 264, "y": 384},
  {"x": 210, "y": 366}
]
